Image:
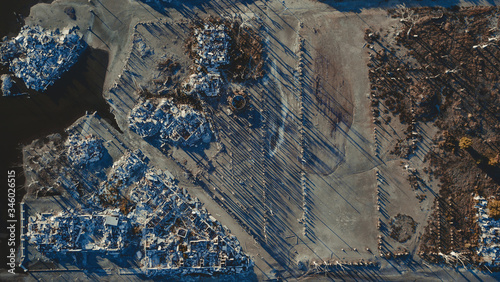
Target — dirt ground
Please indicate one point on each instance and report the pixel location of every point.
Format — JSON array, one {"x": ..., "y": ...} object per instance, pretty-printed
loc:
[
  {"x": 438, "y": 69},
  {"x": 305, "y": 177}
]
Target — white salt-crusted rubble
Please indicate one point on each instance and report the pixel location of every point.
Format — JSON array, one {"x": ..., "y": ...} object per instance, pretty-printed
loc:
[
  {"x": 39, "y": 56},
  {"x": 124, "y": 172},
  {"x": 177, "y": 124},
  {"x": 6, "y": 84},
  {"x": 82, "y": 150},
  {"x": 489, "y": 240},
  {"x": 174, "y": 233},
  {"x": 212, "y": 50},
  {"x": 74, "y": 232},
  {"x": 208, "y": 83},
  {"x": 143, "y": 120},
  {"x": 212, "y": 46}
]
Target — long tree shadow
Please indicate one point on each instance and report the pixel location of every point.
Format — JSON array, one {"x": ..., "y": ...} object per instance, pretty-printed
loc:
[
  {"x": 358, "y": 6},
  {"x": 188, "y": 7}
]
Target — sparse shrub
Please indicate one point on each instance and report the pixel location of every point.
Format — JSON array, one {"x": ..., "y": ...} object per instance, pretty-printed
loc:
[
  {"x": 494, "y": 209},
  {"x": 124, "y": 206},
  {"x": 494, "y": 160},
  {"x": 465, "y": 143},
  {"x": 136, "y": 230}
]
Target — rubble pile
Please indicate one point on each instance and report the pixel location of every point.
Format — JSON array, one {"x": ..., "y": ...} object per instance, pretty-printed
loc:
[
  {"x": 179, "y": 124},
  {"x": 212, "y": 49},
  {"x": 178, "y": 234},
  {"x": 150, "y": 186},
  {"x": 143, "y": 119},
  {"x": 39, "y": 56},
  {"x": 131, "y": 164},
  {"x": 142, "y": 48},
  {"x": 489, "y": 247},
  {"x": 174, "y": 233},
  {"x": 6, "y": 84},
  {"x": 208, "y": 83},
  {"x": 128, "y": 169},
  {"x": 212, "y": 46},
  {"x": 84, "y": 150},
  {"x": 74, "y": 232}
]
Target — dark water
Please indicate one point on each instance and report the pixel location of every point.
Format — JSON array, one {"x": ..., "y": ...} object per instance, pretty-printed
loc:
[
  {"x": 10, "y": 23},
  {"x": 25, "y": 118}
]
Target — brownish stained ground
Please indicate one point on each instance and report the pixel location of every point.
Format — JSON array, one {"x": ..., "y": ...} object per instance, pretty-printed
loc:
[{"x": 442, "y": 78}]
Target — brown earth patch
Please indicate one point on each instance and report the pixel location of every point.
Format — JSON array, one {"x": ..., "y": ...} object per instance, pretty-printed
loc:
[
  {"x": 402, "y": 227},
  {"x": 443, "y": 68}
]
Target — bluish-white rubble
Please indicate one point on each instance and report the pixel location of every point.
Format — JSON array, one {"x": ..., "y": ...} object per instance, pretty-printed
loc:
[
  {"x": 208, "y": 83},
  {"x": 212, "y": 50},
  {"x": 140, "y": 45},
  {"x": 125, "y": 171},
  {"x": 6, "y": 85},
  {"x": 82, "y": 150},
  {"x": 74, "y": 232},
  {"x": 39, "y": 56},
  {"x": 174, "y": 233},
  {"x": 212, "y": 46},
  {"x": 489, "y": 240},
  {"x": 178, "y": 124},
  {"x": 144, "y": 119}
]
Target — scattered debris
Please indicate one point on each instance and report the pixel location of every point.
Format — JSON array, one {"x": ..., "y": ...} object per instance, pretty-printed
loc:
[
  {"x": 39, "y": 56},
  {"x": 84, "y": 150},
  {"x": 73, "y": 232},
  {"x": 174, "y": 233},
  {"x": 333, "y": 265},
  {"x": 489, "y": 242},
  {"x": 140, "y": 45},
  {"x": 178, "y": 124},
  {"x": 211, "y": 49},
  {"x": 7, "y": 83}
]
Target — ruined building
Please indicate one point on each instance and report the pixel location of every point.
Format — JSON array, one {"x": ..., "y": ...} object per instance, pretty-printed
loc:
[
  {"x": 176, "y": 124},
  {"x": 39, "y": 56}
]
